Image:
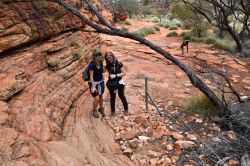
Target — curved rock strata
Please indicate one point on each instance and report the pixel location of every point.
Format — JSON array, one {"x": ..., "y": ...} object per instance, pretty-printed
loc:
[{"x": 44, "y": 110}]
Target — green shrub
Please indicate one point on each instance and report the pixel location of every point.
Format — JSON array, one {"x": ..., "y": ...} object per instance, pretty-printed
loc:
[
  {"x": 178, "y": 25},
  {"x": 246, "y": 52},
  {"x": 172, "y": 34},
  {"x": 125, "y": 29},
  {"x": 201, "y": 105},
  {"x": 210, "y": 40},
  {"x": 157, "y": 28},
  {"x": 187, "y": 36},
  {"x": 139, "y": 33},
  {"x": 165, "y": 24},
  {"x": 186, "y": 26},
  {"x": 197, "y": 39},
  {"x": 146, "y": 31},
  {"x": 173, "y": 27},
  {"x": 155, "y": 19},
  {"x": 225, "y": 45},
  {"x": 127, "y": 22}
]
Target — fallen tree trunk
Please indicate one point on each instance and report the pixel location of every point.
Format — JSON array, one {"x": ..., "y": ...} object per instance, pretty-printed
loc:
[{"x": 108, "y": 29}]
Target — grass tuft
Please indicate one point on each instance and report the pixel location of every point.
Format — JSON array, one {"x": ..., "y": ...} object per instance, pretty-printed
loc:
[
  {"x": 171, "y": 34},
  {"x": 201, "y": 105}
]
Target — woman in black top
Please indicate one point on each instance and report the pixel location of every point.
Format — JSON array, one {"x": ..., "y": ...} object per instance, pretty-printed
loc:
[{"x": 115, "y": 82}]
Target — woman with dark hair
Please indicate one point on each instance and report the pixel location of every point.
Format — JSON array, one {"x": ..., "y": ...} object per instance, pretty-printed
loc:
[
  {"x": 115, "y": 81},
  {"x": 96, "y": 82}
]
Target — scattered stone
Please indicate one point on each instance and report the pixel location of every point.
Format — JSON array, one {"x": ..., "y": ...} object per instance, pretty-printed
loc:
[
  {"x": 183, "y": 144},
  {"x": 233, "y": 162},
  {"x": 198, "y": 120},
  {"x": 134, "y": 143},
  {"x": 177, "y": 136},
  {"x": 129, "y": 135},
  {"x": 191, "y": 137},
  {"x": 128, "y": 151},
  {"x": 143, "y": 138},
  {"x": 123, "y": 147},
  {"x": 160, "y": 161},
  {"x": 143, "y": 161},
  {"x": 153, "y": 154},
  {"x": 169, "y": 147},
  {"x": 153, "y": 161}
]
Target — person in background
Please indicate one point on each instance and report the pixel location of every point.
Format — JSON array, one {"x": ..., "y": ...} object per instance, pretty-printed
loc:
[{"x": 115, "y": 81}]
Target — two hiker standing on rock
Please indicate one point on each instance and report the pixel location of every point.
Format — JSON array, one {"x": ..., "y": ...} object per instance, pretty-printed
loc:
[{"x": 114, "y": 83}]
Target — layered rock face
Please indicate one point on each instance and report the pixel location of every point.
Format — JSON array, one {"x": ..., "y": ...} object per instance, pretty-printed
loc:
[
  {"x": 26, "y": 21},
  {"x": 42, "y": 95}
]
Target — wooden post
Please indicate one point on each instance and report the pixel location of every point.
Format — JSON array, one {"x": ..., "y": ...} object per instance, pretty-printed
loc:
[{"x": 146, "y": 93}]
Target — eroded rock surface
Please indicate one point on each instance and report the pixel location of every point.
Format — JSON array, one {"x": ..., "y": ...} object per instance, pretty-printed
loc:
[
  {"x": 24, "y": 21},
  {"x": 41, "y": 87}
]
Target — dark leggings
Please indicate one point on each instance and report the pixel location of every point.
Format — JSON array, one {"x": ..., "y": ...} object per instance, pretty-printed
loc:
[{"x": 122, "y": 97}]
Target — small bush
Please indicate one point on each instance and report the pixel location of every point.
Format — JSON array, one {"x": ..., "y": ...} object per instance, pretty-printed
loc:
[
  {"x": 156, "y": 28},
  {"x": 246, "y": 52},
  {"x": 127, "y": 23},
  {"x": 146, "y": 31},
  {"x": 210, "y": 40},
  {"x": 155, "y": 19},
  {"x": 178, "y": 25},
  {"x": 172, "y": 34},
  {"x": 186, "y": 26},
  {"x": 197, "y": 39},
  {"x": 201, "y": 105},
  {"x": 139, "y": 33},
  {"x": 187, "y": 36},
  {"x": 165, "y": 24},
  {"x": 173, "y": 27},
  {"x": 225, "y": 45},
  {"x": 125, "y": 29}
]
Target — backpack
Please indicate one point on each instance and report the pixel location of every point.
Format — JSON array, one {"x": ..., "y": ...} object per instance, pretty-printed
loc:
[{"x": 85, "y": 74}]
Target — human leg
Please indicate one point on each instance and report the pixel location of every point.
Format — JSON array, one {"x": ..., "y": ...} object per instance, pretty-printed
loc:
[
  {"x": 112, "y": 101},
  {"x": 101, "y": 109},
  {"x": 123, "y": 97},
  {"x": 95, "y": 104}
]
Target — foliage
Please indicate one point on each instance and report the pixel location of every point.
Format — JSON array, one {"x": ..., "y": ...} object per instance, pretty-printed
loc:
[
  {"x": 127, "y": 22},
  {"x": 122, "y": 6},
  {"x": 145, "y": 10},
  {"x": 189, "y": 18},
  {"x": 172, "y": 34},
  {"x": 201, "y": 105},
  {"x": 124, "y": 29},
  {"x": 225, "y": 45},
  {"x": 173, "y": 27},
  {"x": 145, "y": 31}
]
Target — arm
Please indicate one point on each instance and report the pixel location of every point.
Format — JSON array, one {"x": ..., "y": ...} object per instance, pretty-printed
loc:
[
  {"x": 121, "y": 74},
  {"x": 91, "y": 74}
]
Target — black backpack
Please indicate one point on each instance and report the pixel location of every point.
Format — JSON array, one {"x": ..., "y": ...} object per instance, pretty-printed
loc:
[{"x": 85, "y": 74}]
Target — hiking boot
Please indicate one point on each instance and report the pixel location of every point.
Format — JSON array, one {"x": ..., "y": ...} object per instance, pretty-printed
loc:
[
  {"x": 95, "y": 114},
  {"x": 101, "y": 110}
]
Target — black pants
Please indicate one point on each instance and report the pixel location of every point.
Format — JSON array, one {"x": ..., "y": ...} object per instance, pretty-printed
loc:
[{"x": 122, "y": 97}]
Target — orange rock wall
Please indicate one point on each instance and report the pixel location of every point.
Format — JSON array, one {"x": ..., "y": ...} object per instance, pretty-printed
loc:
[
  {"x": 26, "y": 21},
  {"x": 40, "y": 82}
]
